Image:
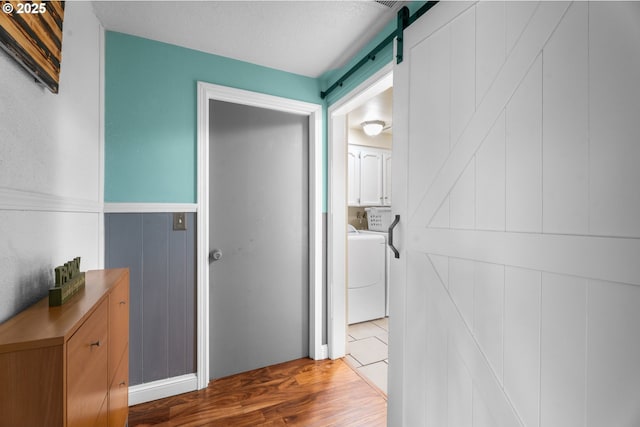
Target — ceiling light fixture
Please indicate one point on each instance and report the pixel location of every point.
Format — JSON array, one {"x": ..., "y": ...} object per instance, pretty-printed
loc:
[{"x": 372, "y": 127}]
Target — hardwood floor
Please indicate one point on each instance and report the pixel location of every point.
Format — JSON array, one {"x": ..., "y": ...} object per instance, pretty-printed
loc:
[{"x": 302, "y": 392}]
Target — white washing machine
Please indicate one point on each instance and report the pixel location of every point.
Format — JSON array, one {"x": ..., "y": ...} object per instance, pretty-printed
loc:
[{"x": 366, "y": 276}]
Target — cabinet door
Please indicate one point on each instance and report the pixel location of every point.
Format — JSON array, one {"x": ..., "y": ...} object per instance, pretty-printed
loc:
[
  {"x": 386, "y": 178},
  {"x": 370, "y": 178},
  {"x": 119, "y": 394},
  {"x": 103, "y": 415},
  {"x": 87, "y": 383},
  {"x": 353, "y": 176},
  {"x": 118, "y": 324}
]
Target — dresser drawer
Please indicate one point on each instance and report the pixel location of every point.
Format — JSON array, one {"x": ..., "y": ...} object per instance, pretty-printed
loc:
[
  {"x": 87, "y": 356},
  {"x": 119, "y": 394},
  {"x": 103, "y": 415},
  {"x": 118, "y": 324}
]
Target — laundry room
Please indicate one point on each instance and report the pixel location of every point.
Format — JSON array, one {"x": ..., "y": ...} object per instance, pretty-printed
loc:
[{"x": 369, "y": 156}]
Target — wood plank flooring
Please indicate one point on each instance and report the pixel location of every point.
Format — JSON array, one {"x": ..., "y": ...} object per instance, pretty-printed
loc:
[{"x": 302, "y": 392}]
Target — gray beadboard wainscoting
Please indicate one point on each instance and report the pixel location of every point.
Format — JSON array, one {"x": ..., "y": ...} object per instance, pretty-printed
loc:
[{"x": 162, "y": 264}]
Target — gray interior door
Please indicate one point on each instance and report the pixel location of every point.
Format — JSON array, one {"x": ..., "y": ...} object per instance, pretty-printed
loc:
[{"x": 259, "y": 286}]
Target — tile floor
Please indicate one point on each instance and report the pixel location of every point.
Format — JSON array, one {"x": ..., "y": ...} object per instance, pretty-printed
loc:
[{"x": 367, "y": 350}]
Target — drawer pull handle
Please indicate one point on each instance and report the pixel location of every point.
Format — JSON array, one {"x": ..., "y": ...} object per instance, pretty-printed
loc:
[
  {"x": 96, "y": 344},
  {"x": 122, "y": 302},
  {"x": 123, "y": 383}
]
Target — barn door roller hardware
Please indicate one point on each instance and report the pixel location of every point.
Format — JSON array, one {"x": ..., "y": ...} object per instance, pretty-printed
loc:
[{"x": 403, "y": 21}]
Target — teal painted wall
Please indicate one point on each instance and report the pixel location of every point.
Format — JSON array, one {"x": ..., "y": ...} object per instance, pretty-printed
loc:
[
  {"x": 151, "y": 114},
  {"x": 150, "y": 110}
]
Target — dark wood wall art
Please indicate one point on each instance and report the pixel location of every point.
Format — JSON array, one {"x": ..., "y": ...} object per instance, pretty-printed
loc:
[{"x": 31, "y": 32}]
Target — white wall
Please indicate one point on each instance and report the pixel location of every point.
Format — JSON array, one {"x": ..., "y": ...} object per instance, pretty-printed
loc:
[
  {"x": 358, "y": 137},
  {"x": 50, "y": 165},
  {"x": 523, "y": 210}
]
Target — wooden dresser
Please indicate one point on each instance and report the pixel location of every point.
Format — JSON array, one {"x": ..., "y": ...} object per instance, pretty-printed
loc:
[{"x": 68, "y": 366}]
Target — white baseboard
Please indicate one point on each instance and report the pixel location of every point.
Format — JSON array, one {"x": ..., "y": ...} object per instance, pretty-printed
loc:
[
  {"x": 162, "y": 388},
  {"x": 324, "y": 352}
]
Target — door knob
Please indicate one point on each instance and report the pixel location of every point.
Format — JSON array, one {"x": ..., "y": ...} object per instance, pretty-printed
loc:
[{"x": 215, "y": 255}]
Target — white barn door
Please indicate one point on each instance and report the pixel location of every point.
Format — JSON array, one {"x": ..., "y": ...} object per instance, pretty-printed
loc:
[{"x": 516, "y": 299}]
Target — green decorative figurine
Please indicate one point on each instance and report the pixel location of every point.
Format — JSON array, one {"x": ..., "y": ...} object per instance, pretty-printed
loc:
[{"x": 69, "y": 280}]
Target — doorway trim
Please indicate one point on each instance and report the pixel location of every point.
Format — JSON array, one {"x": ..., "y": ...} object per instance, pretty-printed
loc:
[
  {"x": 207, "y": 92},
  {"x": 337, "y": 205}
]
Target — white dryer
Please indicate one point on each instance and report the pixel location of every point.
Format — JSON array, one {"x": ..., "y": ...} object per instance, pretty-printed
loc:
[
  {"x": 387, "y": 264},
  {"x": 366, "y": 276}
]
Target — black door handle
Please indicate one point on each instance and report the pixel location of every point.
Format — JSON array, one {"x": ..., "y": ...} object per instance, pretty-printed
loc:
[{"x": 391, "y": 227}]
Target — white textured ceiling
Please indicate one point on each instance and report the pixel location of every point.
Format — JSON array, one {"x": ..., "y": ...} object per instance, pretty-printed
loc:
[
  {"x": 377, "y": 108},
  {"x": 301, "y": 37}
]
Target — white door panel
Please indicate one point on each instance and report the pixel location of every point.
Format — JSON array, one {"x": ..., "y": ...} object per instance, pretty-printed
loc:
[
  {"x": 517, "y": 289},
  {"x": 259, "y": 220}
]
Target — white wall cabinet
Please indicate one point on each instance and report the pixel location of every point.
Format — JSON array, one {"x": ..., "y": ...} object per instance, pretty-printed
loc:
[
  {"x": 369, "y": 176},
  {"x": 353, "y": 176},
  {"x": 386, "y": 178}
]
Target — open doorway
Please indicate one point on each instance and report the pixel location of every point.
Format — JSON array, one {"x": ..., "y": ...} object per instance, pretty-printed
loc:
[
  {"x": 360, "y": 171},
  {"x": 369, "y": 162}
]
